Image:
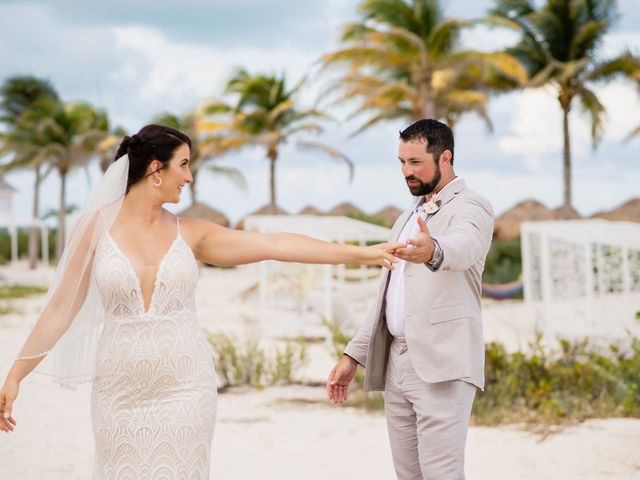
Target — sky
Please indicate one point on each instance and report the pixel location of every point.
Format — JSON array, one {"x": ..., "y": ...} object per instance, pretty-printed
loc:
[{"x": 138, "y": 59}]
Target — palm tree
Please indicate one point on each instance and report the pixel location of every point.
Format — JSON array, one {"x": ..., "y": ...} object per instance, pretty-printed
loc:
[
  {"x": 266, "y": 114},
  {"x": 202, "y": 147},
  {"x": 108, "y": 147},
  {"x": 558, "y": 47},
  {"x": 636, "y": 131},
  {"x": 68, "y": 135},
  {"x": 19, "y": 94},
  {"x": 404, "y": 62}
]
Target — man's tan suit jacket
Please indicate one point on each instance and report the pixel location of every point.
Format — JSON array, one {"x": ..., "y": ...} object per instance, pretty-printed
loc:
[{"x": 443, "y": 323}]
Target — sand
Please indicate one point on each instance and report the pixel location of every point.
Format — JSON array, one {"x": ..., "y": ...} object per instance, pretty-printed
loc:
[{"x": 292, "y": 432}]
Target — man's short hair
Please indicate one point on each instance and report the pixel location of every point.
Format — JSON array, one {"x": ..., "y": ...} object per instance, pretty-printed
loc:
[{"x": 438, "y": 136}]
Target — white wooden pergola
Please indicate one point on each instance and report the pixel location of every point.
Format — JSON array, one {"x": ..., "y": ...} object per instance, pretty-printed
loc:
[
  {"x": 11, "y": 221},
  {"x": 581, "y": 273},
  {"x": 298, "y": 280}
]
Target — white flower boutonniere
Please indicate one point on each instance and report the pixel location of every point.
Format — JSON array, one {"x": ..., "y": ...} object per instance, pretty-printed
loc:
[{"x": 433, "y": 205}]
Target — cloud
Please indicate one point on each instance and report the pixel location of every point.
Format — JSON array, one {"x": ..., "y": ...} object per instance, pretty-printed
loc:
[
  {"x": 307, "y": 181},
  {"x": 137, "y": 59},
  {"x": 595, "y": 189},
  {"x": 536, "y": 128},
  {"x": 73, "y": 56},
  {"x": 226, "y": 23}
]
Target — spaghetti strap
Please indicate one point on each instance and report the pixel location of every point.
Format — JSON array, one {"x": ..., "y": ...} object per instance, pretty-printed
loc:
[{"x": 178, "y": 224}]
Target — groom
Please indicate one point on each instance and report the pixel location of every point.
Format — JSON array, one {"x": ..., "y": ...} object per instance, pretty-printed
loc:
[{"x": 422, "y": 342}]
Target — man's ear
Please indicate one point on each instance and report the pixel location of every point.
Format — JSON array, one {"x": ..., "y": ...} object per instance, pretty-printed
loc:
[{"x": 446, "y": 156}]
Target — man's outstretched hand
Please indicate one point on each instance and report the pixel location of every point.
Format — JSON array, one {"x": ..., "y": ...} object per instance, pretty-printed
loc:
[
  {"x": 419, "y": 249},
  {"x": 340, "y": 378}
]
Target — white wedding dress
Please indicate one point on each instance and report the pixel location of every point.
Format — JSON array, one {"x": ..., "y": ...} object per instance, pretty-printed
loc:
[{"x": 154, "y": 392}]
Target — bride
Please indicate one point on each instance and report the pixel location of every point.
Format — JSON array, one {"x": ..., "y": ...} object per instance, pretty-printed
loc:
[{"x": 121, "y": 312}]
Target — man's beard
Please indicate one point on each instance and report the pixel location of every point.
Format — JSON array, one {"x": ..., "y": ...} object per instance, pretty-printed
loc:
[{"x": 424, "y": 188}]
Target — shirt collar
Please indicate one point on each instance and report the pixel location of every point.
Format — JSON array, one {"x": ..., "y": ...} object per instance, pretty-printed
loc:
[{"x": 422, "y": 199}]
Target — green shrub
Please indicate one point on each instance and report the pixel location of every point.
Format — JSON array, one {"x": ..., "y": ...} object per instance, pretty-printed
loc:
[
  {"x": 246, "y": 363},
  {"x": 20, "y": 291},
  {"x": 357, "y": 396},
  {"x": 363, "y": 217},
  {"x": 10, "y": 292},
  {"x": 504, "y": 262},
  {"x": 23, "y": 244},
  {"x": 573, "y": 383},
  {"x": 577, "y": 382}
]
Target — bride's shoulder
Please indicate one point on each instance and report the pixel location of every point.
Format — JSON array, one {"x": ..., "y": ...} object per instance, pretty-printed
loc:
[{"x": 197, "y": 228}]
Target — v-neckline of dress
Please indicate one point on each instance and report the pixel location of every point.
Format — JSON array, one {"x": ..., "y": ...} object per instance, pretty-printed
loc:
[{"x": 145, "y": 311}]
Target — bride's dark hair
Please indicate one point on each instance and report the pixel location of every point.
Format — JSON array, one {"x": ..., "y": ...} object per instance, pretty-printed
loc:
[{"x": 152, "y": 142}]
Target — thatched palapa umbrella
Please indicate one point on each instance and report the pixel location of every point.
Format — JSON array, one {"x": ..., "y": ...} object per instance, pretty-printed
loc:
[
  {"x": 205, "y": 212},
  {"x": 389, "y": 215},
  {"x": 507, "y": 226},
  {"x": 266, "y": 210},
  {"x": 344, "y": 209},
  {"x": 628, "y": 211},
  {"x": 309, "y": 210}
]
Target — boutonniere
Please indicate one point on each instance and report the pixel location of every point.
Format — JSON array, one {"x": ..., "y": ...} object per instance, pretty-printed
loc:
[{"x": 433, "y": 205}]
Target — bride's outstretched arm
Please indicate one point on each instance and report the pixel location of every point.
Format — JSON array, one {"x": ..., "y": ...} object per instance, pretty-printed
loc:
[
  {"x": 223, "y": 246},
  {"x": 64, "y": 300}
]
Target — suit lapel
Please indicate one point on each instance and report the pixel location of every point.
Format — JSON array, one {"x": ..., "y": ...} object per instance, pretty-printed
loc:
[
  {"x": 393, "y": 237},
  {"x": 448, "y": 194},
  {"x": 402, "y": 221},
  {"x": 451, "y": 191}
]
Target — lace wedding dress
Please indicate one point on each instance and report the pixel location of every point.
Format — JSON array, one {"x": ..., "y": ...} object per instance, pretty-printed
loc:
[{"x": 154, "y": 392}]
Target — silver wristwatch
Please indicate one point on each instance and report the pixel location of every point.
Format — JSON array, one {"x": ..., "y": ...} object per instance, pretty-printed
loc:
[{"x": 437, "y": 255}]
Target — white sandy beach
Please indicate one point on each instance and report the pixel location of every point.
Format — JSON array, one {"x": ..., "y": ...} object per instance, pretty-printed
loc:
[{"x": 292, "y": 432}]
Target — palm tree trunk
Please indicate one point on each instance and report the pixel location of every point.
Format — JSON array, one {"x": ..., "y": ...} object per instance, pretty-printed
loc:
[
  {"x": 33, "y": 232},
  {"x": 61, "y": 215},
  {"x": 566, "y": 171},
  {"x": 426, "y": 106},
  {"x": 273, "y": 155},
  {"x": 192, "y": 187}
]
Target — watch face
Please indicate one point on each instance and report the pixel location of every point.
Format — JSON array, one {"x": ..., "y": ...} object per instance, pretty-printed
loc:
[{"x": 437, "y": 253}]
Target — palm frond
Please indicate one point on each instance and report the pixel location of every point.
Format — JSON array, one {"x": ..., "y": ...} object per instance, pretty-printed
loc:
[
  {"x": 543, "y": 76},
  {"x": 212, "y": 107},
  {"x": 312, "y": 127},
  {"x": 210, "y": 126},
  {"x": 596, "y": 111},
  {"x": 624, "y": 65},
  {"x": 571, "y": 70},
  {"x": 231, "y": 173},
  {"x": 332, "y": 152},
  {"x": 587, "y": 38},
  {"x": 173, "y": 121},
  {"x": 634, "y": 133},
  {"x": 359, "y": 56},
  {"x": 279, "y": 109},
  {"x": 444, "y": 36},
  {"x": 383, "y": 116}
]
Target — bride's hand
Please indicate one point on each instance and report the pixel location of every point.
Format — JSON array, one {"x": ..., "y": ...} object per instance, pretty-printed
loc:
[
  {"x": 8, "y": 394},
  {"x": 381, "y": 254}
]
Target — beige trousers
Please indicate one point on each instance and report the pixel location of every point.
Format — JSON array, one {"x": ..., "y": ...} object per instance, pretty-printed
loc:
[{"x": 427, "y": 422}]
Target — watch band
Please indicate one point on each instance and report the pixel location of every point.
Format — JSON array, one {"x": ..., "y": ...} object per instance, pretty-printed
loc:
[{"x": 436, "y": 259}]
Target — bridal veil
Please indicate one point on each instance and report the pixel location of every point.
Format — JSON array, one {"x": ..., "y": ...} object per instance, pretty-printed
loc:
[{"x": 69, "y": 324}]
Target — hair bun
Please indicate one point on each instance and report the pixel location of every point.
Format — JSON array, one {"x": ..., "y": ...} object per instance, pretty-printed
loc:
[
  {"x": 123, "y": 149},
  {"x": 134, "y": 140}
]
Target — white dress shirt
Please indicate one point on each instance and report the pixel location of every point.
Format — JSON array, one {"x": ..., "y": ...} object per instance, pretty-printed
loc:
[{"x": 395, "y": 291}]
